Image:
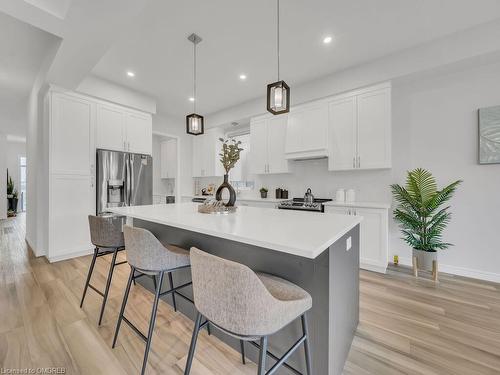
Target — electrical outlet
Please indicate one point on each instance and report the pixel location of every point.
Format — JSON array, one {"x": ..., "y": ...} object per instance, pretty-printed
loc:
[{"x": 348, "y": 244}]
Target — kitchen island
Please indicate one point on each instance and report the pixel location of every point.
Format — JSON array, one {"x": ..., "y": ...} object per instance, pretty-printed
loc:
[{"x": 318, "y": 252}]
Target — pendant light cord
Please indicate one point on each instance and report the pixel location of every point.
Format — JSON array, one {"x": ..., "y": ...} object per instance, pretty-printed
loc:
[
  {"x": 194, "y": 77},
  {"x": 278, "y": 35}
]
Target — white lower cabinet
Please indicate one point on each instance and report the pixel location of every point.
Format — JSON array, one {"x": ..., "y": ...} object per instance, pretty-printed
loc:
[
  {"x": 374, "y": 235},
  {"x": 72, "y": 199}
]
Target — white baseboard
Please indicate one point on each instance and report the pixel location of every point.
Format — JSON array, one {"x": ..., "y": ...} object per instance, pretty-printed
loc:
[
  {"x": 71, "y": 255},
  {"x": 460, "y": 271},
  {"x": 380, "y": 268}
]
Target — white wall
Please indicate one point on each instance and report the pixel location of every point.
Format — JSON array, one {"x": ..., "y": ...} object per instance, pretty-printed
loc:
[
  {"x": 14, "y": 151},
  {"x": 3, "y": 176}
]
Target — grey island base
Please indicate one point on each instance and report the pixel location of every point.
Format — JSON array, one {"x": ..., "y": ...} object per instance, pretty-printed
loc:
[{"x": 332, "y": 279}]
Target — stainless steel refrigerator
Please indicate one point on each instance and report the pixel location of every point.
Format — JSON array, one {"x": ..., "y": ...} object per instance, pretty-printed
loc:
[{"x": 123, "y": 179}]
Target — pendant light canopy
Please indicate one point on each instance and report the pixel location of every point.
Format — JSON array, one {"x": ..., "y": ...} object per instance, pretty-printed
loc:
[
  {"x": 278, "y": 93},
  {"x": 194, "y": 122}
]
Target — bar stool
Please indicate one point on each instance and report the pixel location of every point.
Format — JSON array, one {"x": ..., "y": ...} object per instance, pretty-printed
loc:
[
  {"x": 107, "y": 237},
  {"x": 247, "y": 305},
  {"x": 148, "y": 256}
]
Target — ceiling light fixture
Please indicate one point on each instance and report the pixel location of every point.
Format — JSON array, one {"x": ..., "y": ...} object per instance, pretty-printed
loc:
[
  {"x": 191, "y": 99},
  {"x": 278, "y": 93},
  {"x": 327, "y": 39},
  {"x": 194, "y": 122},
  {"x": 243, "y": 77},
  {"x": 130, "y": 74}
]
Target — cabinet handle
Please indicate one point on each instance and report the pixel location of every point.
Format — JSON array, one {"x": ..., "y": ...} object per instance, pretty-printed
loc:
[
  {"x": 359, "y": 161},
  {"x": 348, "y": 211},
  {"x": 354, "y": 162},
  {"x": 124, "y": 146}
]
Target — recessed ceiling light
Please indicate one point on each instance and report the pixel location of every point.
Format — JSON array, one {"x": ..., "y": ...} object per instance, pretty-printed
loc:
[
  {"x": 191, "y": 99},
  {"x": 130, "y": 74},
  {"x": 243, "y": 77},
  {"x": 327, "y": 39}
]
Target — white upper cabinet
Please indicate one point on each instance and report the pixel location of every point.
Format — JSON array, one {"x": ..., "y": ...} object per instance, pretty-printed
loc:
[
  {"x": 360, "y": 129},
  {"x": 267, "y": 145},
  {"x": 71, "y": 135},
  {"x": 258, "y": 147},
  {"x": 169, "y": 158},
  {"x": 307, "y": 131},
  {"x": 139, "y": 131},
  {"x": 206, "y": 148},
  {"x": 374, "y": 129},
  {"x": 110, "y": 130},
  {"x": 342, "y": 134},
  {"x": 119, "y": 129}
]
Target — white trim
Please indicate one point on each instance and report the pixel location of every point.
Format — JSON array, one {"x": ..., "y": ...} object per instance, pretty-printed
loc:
[
  {"x": 178, "y": 174},
  {"x": 74, "y": 254},
  {"x": 460, "y": 271},
  {"x": 372, "y": 266}
]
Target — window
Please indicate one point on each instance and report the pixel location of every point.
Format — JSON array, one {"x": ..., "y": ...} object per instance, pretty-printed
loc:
[{"x": 22, "y": 183}]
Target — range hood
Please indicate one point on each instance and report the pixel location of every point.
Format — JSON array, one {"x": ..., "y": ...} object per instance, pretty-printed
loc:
[{"x": 307, "y": 154}]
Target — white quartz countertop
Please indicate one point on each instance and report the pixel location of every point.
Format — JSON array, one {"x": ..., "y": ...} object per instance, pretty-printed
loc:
[
  {"x": 242, "y": 199},
  {"x": 305, "y": 234},
  {"x": 359, "y": 204}
]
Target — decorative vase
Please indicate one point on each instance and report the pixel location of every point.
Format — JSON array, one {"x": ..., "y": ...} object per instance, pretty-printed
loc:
[
  {"x": 425, "y": 259},
  {"x": 232, "y": 193}
]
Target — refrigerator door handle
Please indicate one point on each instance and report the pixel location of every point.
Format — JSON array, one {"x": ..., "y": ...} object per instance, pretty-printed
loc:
[{"x": 127, "y": 180}]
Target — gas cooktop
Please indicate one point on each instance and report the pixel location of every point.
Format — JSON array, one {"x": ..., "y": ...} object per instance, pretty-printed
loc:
[{"x": 299, "y": 204}]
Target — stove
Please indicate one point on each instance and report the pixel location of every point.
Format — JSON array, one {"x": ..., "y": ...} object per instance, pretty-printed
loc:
[{"x": 298, "y": 204}]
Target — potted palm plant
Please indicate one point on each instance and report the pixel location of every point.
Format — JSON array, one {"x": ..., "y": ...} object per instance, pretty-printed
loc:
[{"x": 420, "y": 214}]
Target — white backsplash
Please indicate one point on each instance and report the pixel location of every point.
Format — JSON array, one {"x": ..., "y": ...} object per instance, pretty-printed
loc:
[{"x": 370, "y": 186}]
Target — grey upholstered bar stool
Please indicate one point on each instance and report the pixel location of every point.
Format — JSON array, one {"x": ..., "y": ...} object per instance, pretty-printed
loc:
[
  {"x": 146, "y": 255},
  {"x": 107, "y": 237},
  {"x": 247, "y": 305}
]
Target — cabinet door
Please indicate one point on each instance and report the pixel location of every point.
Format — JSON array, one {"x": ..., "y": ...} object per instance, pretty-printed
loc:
[
  {"x": 72, "y": 199},
  {"x": 373, "y": 239},
  {"x": 276, "y": 140},
  {"x": 198, "y": 155},
  {"x": 342, "y": 122},
  {"x": 110, "y": 128},
  {"x": 374, "y": 129},
  {"x": 169, "y": 159},
  {"x": 307, "y": 129},
  {"x": 139, "y": 133},
  {"x": 71, "y": 135},
  {"x": 258, "y": 147},
  {"x": 336, "y": 210}
]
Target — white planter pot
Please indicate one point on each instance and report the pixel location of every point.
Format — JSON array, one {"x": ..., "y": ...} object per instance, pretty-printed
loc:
[{"x": 425, "y": 259}]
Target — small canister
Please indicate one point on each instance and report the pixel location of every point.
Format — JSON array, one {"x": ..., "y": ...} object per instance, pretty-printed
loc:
[
  {"x": 350, "y": 195},
  {"x": 279, "y": 193},
  {"x": 284, "y": 194},
  {"x": 340, "y": 195}
]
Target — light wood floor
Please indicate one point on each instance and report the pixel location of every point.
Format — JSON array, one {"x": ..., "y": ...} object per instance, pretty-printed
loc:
[{"x": 407, "y": 326}]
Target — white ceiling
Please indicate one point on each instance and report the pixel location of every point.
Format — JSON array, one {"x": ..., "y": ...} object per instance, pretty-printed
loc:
[
  {"x": 239, "y": 37},
  {"x": 22, "y": 50}
]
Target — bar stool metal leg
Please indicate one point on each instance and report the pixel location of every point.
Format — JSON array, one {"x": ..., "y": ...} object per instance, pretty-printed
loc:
[
  {"x": 171, "y": 281},
  {"x": 89, "y": 275},
  {"x": 262, "y": 356},
  {"x": 307, "y": 350},
  {"x": 242, "y": 348},
  {"x": 108, "y": 284},
  {"x": 192, "y": 347},
  {"x": 124, "y": 303},
  {"x": 152, "y": 323}
]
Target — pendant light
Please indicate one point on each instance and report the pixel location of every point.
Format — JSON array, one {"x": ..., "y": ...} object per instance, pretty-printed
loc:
[
  {"x": 278, "y": 93},
  {"x": 194, "y": 122}
]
